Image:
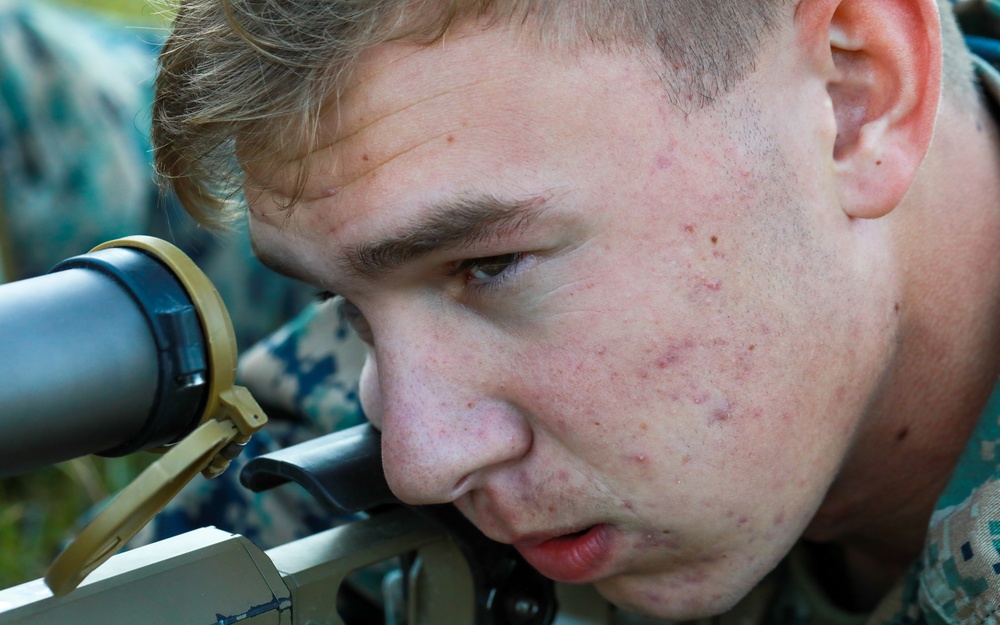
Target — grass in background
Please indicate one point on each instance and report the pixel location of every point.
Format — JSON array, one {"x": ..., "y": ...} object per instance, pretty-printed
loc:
[{"x": 40, "y": 510}]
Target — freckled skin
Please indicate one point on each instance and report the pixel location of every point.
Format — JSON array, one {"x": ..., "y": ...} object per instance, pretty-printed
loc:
[{"x": 520, "y": 406}]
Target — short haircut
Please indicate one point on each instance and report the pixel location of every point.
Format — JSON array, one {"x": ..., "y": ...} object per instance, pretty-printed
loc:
[{"x": 254, "y": 76}]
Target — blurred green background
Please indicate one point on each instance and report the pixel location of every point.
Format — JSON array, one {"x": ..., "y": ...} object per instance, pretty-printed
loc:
[
  {"x": 129, "y": 9},
  {"x": 39, "y": 511}
]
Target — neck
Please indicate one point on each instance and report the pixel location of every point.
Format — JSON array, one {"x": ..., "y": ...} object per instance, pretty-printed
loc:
[{"x": 947, "y": 238}]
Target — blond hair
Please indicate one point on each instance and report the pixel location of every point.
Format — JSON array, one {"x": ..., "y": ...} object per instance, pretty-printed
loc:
[
  {"x": 258, "y": 73},
  {"x": 255, "y": 75}
]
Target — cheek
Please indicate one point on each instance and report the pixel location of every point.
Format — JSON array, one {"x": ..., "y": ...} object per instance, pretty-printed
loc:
[{"x": 684, "y": 388}]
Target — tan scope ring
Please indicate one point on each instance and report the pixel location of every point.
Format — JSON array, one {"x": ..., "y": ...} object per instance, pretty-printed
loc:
[
  {"x": 219, "y": 334},
  {"x": 231, "y": 416}
]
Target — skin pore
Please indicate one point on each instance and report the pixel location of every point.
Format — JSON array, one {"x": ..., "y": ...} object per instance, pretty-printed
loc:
[{"x": 652, "y": 322}]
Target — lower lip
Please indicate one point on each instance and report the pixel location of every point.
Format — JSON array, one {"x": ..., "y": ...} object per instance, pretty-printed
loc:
[{"x": 574, "y": 559}]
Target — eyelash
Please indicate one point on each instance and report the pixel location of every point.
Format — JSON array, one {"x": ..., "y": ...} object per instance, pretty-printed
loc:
[
  {"x": 516, "y": 259},
  {"x": 511, "y": 263},
  {"x": 481, "y": 286}
]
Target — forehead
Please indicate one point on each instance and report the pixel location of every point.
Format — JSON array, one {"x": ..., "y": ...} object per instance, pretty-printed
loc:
[
  {"x": 483, "y": 113},
  {"x": 403, "y": 97}
]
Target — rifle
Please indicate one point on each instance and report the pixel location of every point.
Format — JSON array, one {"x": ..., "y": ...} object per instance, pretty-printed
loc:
[{"x": 165, "y": 339}]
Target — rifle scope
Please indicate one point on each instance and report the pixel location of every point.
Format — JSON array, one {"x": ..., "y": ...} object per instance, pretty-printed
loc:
[{"x": 112, "y": 352}]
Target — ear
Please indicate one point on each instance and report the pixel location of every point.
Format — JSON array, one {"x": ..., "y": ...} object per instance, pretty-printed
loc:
[{"x": 883, "y": 65}]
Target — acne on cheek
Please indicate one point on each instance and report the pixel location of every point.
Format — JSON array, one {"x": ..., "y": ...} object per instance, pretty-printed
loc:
[
  {"x": 662, "y": 162},
  {"x": 734, "y": 357},
  {"x": 702, "y": 286},
  {"x": 675, "y": 353},
  {"x": 677, "y": 357},
  {"x": 639, "y": 464},
  {"x": 721, "y": 413},
  {"x": 710, "y": 262}
]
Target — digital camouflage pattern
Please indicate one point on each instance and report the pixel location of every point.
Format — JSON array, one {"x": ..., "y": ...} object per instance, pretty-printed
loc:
[{"x": 960, "y": 580}]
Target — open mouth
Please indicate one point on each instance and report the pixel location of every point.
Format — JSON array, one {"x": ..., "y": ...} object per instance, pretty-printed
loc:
[{"x": 576, "y": 557}]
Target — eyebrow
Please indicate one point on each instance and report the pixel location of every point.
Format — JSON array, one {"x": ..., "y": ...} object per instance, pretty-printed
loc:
[{"x": 457, "y": 224}]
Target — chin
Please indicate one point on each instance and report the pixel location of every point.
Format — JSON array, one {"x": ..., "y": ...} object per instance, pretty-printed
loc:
[{"x": 676, "y": 597}]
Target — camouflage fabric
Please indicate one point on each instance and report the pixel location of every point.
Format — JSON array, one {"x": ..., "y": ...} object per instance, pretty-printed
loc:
[{"x": 960, "y": 580}]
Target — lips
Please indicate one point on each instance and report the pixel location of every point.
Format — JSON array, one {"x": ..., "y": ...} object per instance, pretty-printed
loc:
[{"x": 574, "y": 558}]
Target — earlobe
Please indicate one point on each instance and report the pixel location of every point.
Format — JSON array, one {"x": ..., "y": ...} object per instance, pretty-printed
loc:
[{"x": 884, "y": 61}]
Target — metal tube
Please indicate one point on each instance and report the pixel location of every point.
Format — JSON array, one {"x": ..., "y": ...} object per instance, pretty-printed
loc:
[{"x": 78, "y": 368}]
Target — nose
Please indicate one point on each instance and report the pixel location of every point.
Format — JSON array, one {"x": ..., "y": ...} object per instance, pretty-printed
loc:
[{"x": 446, "y": 422}]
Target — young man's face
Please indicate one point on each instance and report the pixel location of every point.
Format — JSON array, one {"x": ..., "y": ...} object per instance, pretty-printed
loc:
[{"x": 629, "y": 335}]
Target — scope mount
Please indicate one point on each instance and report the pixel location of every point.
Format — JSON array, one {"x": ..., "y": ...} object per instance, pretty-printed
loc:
[{"x": 229, "y": 418}]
